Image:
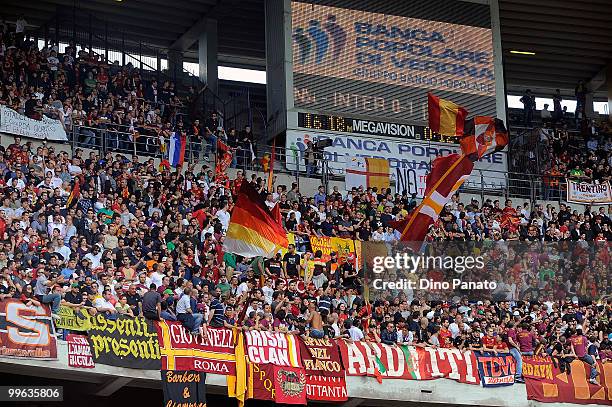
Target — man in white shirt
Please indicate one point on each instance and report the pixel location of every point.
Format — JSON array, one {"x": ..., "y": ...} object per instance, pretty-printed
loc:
[
  {"x": 355, "y": 332},
  {"x": 224, "y": 217},
  {"x": 245, "y": 286},
  {"x": 95, "y": 256},
  {"x": 103, "y": 303}
]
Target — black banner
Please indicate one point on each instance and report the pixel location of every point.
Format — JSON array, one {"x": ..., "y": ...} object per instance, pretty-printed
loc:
[
  {"x": 124, "y": 342},
  {"x": 184, "y": 388}
]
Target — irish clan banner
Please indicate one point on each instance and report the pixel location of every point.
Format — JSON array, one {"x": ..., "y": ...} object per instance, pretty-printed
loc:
[
  {"x": 211, "y": 353},
  {"x": 408, "y": 362},
  {"x": 276, "y": 348},
  {"x": 124, "y": 342},
  {"x": 184, "y": 388},
  {"x": 79, "y": 352},
  {"x": 545, "y": 382},
  {"x": 73, "y": 320},
  {"x": 496, "y": 370},
  {"x": 31, "y": 331}
]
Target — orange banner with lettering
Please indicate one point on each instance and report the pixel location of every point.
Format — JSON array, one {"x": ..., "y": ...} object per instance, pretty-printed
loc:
[{"x": 546, "y": 383}]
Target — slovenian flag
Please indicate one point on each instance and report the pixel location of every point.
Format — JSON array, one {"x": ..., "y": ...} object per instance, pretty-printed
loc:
[{"x": 176, "y": 154}]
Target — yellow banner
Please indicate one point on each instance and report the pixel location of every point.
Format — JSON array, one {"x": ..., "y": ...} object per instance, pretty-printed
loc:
[
  {"x": 73, "y": 320},
  {"x": 343, "y": 247}
]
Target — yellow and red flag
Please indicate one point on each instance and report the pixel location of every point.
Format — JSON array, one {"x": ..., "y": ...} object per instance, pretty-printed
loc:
[
  {"x": 252, "y": 230},
  {"x": 447, "y": 174},
  {"x": 445, "y": 117},
  {"x": 367, "y": 173},
  {"x": 483, "y": 135},
  {"x": 74, "y": 194}
]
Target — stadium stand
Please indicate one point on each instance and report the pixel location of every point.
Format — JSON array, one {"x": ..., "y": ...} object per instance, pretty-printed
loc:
[{"x": 140, "y": 240}]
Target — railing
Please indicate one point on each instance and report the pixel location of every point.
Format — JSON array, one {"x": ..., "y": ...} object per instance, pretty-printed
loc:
[{"x": 530, "y": 187}]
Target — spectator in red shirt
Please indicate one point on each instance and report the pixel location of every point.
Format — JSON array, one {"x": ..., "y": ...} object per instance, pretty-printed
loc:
[
  {"x": 526, "y": 340},
  {"x": 579, "y": 346},
  {"x": 445, "y": 336}
]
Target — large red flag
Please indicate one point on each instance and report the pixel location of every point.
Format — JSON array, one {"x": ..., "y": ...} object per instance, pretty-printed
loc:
[{"x": 447, "y": 174}]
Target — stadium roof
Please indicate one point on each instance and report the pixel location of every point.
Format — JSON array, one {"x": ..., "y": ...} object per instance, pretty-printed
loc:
[{"x": 570, "y": 39}]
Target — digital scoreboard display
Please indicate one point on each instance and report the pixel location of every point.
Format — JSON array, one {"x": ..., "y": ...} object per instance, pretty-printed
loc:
[
  {"x": 341, "y": 124},
  {"x": 378, "y": 59}
]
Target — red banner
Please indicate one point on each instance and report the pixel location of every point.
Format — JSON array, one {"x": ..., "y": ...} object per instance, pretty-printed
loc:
[
  {"x": 320, "y": 357},
  {"x": 212, "y": 352},
  {"x": 546, "y": 383},
  {"x": 324, "y": 388},
  {"x": 281, "y": 384},
  {"x": 289, "y": 385},
  {"x": 276, "y": 348},
  {"x": 408, "y": 362},
  {"x": 26, "y": 331},
  {"x": 260, "y": 379},
  {"x": 79, "y": 352}
]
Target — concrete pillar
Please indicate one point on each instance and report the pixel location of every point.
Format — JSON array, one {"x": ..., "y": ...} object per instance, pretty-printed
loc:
[
  {"x": 207, "y": 55},
  {"x": 175, "y": 64}
]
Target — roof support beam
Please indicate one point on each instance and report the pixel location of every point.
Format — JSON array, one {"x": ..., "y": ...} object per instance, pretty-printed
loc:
[{"x": 189, "y": 37}]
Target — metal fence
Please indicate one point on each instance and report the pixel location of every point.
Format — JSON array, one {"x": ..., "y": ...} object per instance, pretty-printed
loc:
[{"x": 202, "y": 151}]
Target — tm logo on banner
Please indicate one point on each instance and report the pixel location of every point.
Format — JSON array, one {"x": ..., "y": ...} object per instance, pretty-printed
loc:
[{"x": 316, "y": 38}]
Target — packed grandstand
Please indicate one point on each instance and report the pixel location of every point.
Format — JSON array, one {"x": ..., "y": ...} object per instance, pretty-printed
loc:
[{"x": 117, "y": 235}]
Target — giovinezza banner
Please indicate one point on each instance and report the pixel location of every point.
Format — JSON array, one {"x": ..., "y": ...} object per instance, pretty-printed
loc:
[
  {"x": 26, "y": 331},
  {"x": 590, "y": 194},
  {"x": 12, "y": 122},
  {"x": 124, "y": 342},
  {"x": 212, "y": 351},
  {"x": 492, "y": 270}
]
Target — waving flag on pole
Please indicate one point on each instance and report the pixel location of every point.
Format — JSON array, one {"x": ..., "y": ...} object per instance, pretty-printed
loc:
[
  {"x": 176, "y": 154},
  {"x": 447, "y": 174},
  {"x": 367, "y": 173},
  {"x": 445, "y": 117},
  {"x": 483, "y": 135},
  {"x": 74, "y": 194},
  {"x": 252, "y": 230}
]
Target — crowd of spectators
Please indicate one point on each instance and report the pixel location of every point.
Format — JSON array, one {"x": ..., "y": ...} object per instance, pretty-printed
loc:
[
  {"x": 141, "y": 240},
  {"x": 107, "y": 106},
  {"x": 563, "y": 145},
  {"x": 144, "y": 241}
]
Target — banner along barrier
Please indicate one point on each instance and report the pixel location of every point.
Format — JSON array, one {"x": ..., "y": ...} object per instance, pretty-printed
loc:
[
  {"x": 26, "y": 331},
  {"x": 211, "y": 352},
  {"x": 124, "y": 342},
  {"x": 14, "y": 123}
]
